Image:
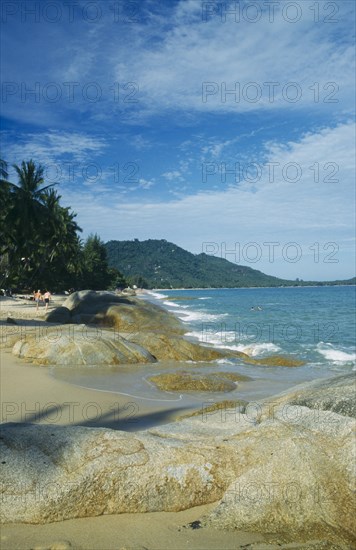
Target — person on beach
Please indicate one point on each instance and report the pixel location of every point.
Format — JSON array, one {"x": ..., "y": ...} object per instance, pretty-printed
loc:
[
  {"x": 37, "y": 296},
  {"x": 47, "y": 297}
]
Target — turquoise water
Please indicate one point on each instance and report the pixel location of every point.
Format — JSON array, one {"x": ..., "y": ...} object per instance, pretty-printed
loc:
[{"x": 315, "y": 324}]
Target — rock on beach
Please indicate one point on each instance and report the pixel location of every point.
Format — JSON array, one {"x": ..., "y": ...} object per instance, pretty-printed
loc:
[{"x": 287, "y": 472}]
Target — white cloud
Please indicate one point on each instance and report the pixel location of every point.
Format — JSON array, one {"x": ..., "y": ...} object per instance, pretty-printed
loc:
[
  {"x": 146, "y": 184},
  {"x": 305, "y": 211},
  {"x": 51, "y": 145},
  {"x": 213, "y": 56},
  {"x": 171, "y": 176},
  {"x": 171, "y": 54}
]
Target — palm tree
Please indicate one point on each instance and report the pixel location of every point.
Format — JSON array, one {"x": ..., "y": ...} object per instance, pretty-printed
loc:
[
  {"x": 4, "y": 198},
  {"x": 29, "y": 194},
  {"x": 61, "y": 240},
  {"x": 25, "y": 214},
  {"x": 4, "y": 190},
  {"x": 3, "y": 170},
  {"x": 5, "y": 239}
]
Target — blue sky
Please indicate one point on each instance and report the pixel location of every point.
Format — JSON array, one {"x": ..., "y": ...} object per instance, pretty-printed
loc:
[{"x": 223, "y": 127}]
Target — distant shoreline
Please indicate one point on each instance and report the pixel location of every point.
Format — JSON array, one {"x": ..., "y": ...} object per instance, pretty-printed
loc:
[{"x": 245, "y": 287}]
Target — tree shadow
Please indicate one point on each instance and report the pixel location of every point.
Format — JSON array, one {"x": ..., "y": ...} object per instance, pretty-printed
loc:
[{"x": 126, "y": 418}]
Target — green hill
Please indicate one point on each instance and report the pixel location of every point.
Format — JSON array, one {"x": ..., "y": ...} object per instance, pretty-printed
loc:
[{"x": 161, "y": 264}]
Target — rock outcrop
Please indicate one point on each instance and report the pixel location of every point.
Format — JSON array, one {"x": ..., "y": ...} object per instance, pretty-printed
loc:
[
  {"x": 60, "y": 315},
  {"x": 339, "y": 397},
  {"x": 279, "y": 468},
  {"x": 121, "y": 330},
  {"x": 193, "y": 381},
  {"x": 79, "y": 345},
  {"x": 277, "y": 361},
  {"x": 125, "y": 314},
  {"x": 169, "y": 346}
]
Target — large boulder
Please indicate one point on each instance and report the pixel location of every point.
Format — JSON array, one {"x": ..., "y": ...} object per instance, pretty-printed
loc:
[
  {"x": 78, "y": 345},
  {"x": 139, "y": 316},
  {"x": 169, "y": 346},
  {"x": 60, "y": 315},
  {"x": 283, "y": 471},
  {"x": 125, "y": 314},
  {"x": 91, "y": 301},
  {"x": 195, "y": 381},
  {"x": 294, "y": 484},
  {"x": 55, "y": 473},
  {"x": 277, "y": 361},
  {"x": 338, "y": 397}
]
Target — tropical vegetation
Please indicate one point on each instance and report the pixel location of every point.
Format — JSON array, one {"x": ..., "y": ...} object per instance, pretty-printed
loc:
[{"x": 40, "y": 244}]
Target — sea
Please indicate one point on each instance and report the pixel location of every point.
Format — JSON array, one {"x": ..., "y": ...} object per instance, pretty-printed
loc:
[{"x": 315, "y": 325}]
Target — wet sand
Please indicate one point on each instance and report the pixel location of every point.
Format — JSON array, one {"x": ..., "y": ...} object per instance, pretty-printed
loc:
[
  {"x": 151, "y": 531},
  {"x": 30, "y": 394}
]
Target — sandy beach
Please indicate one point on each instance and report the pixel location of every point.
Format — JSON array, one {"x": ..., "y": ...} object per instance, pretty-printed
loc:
[{"x": 30, "y": 394}]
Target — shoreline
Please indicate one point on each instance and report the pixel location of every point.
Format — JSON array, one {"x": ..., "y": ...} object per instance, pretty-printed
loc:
[
  {"x": 43, "y": 399},
  {"x": 242, "y": 287},
  {"x": 111, "y": 405},
  {"x": 31, "y": 394}
]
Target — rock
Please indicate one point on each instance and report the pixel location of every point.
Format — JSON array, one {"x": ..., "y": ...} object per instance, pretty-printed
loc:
[
  {"x": 234, "y": 376},
  {"x": 141, "y": 322},
  {"x": 60, "y": 315},
  {"x": 192, "y": 381},
  {"x": 172, "y": 347},
  {"x": 139, "y": 316},
  {"x": 52, "y": 473},
  {"x": 295, "y": 489},
  {"x": 129, "y": 292},
  {"x": 184, "y": 381},
  {"x": 208, "y": 408},
  {"x": 92, "y": 301},
  {"x": 277, "y": 361},
  {"x": 338, "y": 397},
  {"x": 287, "y": 473},
  {"x": 73, "y": 345},
  {"x": 125, "y": 314},
  {"x": 10, "y": 334},
  {"x": 83, "y": 318},
  {"x": 87, "y": 298}
]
